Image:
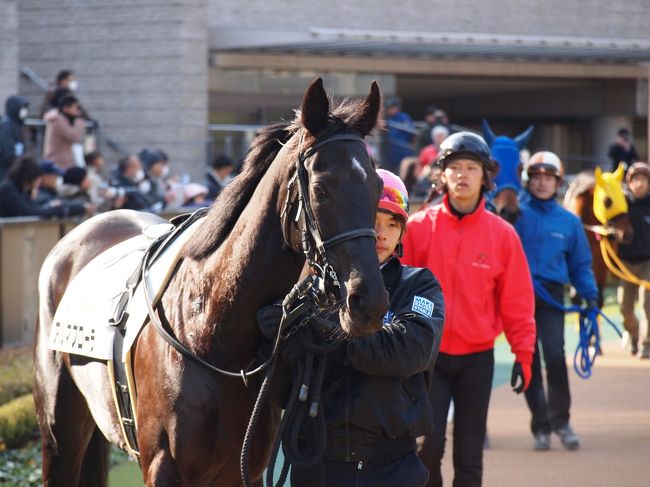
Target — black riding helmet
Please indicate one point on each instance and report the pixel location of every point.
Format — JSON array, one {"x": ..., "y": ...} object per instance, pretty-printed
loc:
[{"x": 468, "y": 145}]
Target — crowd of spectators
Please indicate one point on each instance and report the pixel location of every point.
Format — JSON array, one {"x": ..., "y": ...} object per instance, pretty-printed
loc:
[{"x": 63, "y": 181}]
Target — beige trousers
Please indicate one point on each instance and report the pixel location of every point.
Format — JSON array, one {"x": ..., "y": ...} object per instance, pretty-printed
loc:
[{"x": 628, "y": 293}]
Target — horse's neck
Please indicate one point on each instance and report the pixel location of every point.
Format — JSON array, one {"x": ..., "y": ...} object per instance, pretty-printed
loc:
[{"x": 222, "y": 293}]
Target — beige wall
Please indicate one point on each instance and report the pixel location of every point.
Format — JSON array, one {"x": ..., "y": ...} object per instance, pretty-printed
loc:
[
  {"x": 142, "y": 68},
  {"x": 593, "y": 18},
  {"x": 8, "y": 50}
]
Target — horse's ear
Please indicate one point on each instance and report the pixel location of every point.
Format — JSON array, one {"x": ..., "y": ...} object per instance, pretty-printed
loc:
[
  {"x": 598, "y": 172},
  {"x": 366, "y": 120},
  {"x": 488, "y": 135},
  {"x": 315, "y": 107},
  {"x": 620, "y": 172},
  {"x": 523, "y": 138}
]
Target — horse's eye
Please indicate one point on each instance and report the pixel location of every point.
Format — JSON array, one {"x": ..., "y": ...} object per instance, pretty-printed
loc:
[
  {"x": 607, "y": 201},
  {"x": 320, "y": 192}
]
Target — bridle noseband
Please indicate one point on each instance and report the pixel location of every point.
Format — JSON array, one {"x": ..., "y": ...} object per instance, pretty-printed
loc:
[{"x": 314, "y": 247}]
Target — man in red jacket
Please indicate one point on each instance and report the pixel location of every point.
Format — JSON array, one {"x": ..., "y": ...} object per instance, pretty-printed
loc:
[{"x": 486, "y": 284}]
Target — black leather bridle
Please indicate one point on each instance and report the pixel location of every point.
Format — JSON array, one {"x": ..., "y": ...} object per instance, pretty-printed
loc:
[{"x": 314, "y": 247}]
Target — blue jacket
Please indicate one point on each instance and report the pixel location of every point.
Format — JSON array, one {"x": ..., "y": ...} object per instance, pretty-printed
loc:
[{"x": 555, "y": 245}]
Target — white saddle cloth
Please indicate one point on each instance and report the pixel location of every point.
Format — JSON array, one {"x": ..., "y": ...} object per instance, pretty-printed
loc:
[{"x": 80, "y": 324}]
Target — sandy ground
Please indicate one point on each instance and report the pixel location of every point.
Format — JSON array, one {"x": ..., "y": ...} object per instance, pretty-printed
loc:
[{"x": 611, "y": 415}]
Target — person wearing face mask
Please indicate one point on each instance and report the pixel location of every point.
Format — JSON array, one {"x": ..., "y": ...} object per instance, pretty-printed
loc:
[
  {"x": 12, "y": 139},
  {"x": 156, "y": 165},
  {"x": 129, "y": 184},
  {"x": 64, "y": 127},
  {"x": 66, "y": 84}
]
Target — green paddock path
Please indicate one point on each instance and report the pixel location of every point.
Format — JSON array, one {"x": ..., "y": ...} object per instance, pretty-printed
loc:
[{"x": 610, "y": 412}]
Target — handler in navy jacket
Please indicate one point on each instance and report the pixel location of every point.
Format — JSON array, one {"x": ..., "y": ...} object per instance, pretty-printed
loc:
[{"x": 376, "y": 388}]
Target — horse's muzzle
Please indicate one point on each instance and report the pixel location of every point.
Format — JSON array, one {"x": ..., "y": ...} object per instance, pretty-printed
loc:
[{"x": 364, "y": 311}]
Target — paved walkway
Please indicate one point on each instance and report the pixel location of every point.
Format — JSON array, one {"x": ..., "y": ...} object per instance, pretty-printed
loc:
[{"x": 610, "y": 413}]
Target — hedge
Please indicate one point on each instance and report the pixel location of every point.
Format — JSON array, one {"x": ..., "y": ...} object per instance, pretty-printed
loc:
[{"x": 17, "y": 422}]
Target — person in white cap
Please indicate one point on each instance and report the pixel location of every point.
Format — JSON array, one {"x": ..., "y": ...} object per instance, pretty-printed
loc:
[{"x": 557, "y": 251}]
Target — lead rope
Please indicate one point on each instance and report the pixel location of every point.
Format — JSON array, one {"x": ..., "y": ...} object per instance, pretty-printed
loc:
[
  {"x": 303, "y": 405},
  {"x": 589, "y": 333},
  {"x": 306, "y": 385}
]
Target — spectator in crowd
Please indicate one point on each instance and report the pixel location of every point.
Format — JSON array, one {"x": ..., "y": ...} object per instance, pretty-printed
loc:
[
  {"x": 12, "y": 140},
  {"x": 636, "y": 257},
  {"x": 18, "y": 192},
  {"x": 130, "y": 184},
  {"x": 219, "y": 174},
  {"x": 429, "y": 154},
  {"x": 558, "y": 253},
  {"x": 195, "y": 196},
  {"x": 622, "y": 150},
  {"x": 76, "y": 184},
  {"x": 65, "y": 126},
  {"x": 424, "y": 137},
  {"x": 375, "y": 389},
  {"x": 487, "y": 288},
  {"x": 50, "y": 182},
  {"x": 156, "y": 165},
  {"x": 400, "y": 135},
  {"x": 66, "y": 85},
  {"x": 434, "y": 117}
]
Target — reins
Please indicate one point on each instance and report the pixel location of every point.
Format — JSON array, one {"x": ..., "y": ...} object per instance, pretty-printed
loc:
[
  {"x": 613, "y": 262},
  {"x": 589, "y": 333}
]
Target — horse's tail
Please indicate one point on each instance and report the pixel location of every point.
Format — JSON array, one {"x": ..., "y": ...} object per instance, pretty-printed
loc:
[{"x": 94, "y": 469}]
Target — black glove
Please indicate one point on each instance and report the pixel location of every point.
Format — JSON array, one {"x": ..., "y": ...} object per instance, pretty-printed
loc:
[
  {"x": 521, "y": 376},
  {"x": 268, "y": 320},
  {"x": 592, "y": 304}
]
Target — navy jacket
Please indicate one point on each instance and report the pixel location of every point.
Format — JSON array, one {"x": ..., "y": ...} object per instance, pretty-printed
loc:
[
  {"x": 11, "y": 132},
  {"x": 639, "y": 212}
]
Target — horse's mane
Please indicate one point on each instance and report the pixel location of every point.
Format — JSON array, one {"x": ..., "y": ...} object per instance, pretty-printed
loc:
[
  {"x": 230, "y": 203},
  {"x": 582, "y": 183}
]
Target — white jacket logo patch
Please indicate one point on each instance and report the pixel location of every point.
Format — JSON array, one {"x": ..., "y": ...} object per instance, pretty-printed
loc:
[{"x": 422, "y": 306}]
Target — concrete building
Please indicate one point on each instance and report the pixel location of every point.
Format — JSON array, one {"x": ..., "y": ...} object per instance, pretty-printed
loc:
[
  {"x": 8, "y": 49},
  {"x": 158, "y": 72}
]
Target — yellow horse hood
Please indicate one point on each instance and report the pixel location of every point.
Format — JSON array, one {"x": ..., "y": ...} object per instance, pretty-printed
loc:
[{"x": 609, "y": 198}]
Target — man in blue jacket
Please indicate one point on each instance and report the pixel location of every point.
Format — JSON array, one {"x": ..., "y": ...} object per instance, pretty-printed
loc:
[{"x": 558, "y": 253}]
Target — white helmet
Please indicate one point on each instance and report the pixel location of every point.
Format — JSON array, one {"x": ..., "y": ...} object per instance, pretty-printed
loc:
[{"x": 545, "y": 162}]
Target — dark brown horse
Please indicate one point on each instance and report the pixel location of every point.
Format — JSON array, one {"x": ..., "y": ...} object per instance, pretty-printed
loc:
[
  {"x": 612, "y": 209},
  {"x": 191, "y": 421}
]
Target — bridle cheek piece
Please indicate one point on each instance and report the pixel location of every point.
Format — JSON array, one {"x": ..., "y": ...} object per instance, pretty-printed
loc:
[{"x": 313, "y": 246}]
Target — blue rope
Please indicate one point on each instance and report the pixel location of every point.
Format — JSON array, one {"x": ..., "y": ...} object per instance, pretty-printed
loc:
[{"x": 583, "y": 361}]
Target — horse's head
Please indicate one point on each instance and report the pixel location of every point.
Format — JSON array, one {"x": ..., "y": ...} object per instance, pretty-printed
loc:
[
  {"x": 610, "y": 205},
  {"x": 507, "y": 176},
  {"x": 341, "y": 190}
]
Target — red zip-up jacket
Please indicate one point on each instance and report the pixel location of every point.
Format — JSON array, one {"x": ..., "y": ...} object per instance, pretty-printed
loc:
[{"x": 484, "y": 275}]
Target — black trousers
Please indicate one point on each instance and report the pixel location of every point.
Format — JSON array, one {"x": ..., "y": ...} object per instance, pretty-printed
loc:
[
  {"x": 552, "y": 413},
  {"x": 467, "y": 379},
  {"x": 406, "y": 471}
]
